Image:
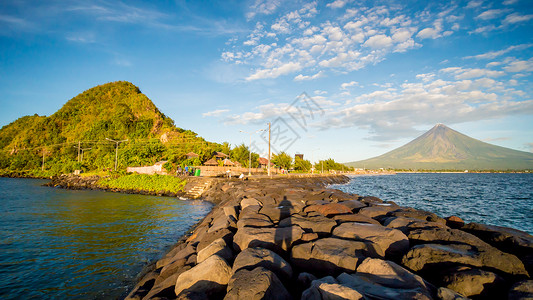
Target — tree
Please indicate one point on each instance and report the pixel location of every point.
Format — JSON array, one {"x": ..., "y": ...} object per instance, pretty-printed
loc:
[
  {"x": 301, "y": 164},
  {"x": 330, "y": 164},
  {"x": 282, "y": 160}
]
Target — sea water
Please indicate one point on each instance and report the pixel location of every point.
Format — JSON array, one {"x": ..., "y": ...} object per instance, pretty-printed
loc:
[
  {"x": 65, "y": 244},
  {"x": 495, "y": 199}
]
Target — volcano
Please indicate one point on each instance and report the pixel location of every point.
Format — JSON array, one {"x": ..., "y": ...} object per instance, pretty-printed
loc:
[{"x": 442, "y": 148}]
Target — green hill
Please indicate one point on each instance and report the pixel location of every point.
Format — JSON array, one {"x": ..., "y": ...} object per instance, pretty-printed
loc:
[
  {"x": 116, "y": 110},
  {"x": 442, "y": 148}
]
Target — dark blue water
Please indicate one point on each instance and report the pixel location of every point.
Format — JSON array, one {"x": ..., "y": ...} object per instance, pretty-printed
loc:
[
  {"x": 63, "y": 244},
  {"x": 495, "y": 199}
]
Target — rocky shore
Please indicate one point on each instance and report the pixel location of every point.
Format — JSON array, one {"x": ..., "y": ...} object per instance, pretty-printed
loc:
[{"x": 297, "y": 239}]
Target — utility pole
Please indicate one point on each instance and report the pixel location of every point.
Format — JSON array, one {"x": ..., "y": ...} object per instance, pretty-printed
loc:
[
  {"x": 79, "y": 146},
  {"x": 250, "y": 150},
  {"x": 82, "y": 152},
  {"x": 269, "y": 174},
  {"x": 116, "y": 149}
]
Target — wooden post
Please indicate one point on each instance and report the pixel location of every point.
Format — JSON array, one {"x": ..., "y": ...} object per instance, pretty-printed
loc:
[{"x": 269, "y": 174}]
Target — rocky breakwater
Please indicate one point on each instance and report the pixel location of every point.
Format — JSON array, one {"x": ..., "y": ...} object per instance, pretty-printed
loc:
[{"x": 297, "y": 239}]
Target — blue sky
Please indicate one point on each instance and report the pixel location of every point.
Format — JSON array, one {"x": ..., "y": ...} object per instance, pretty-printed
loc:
[{"x": 343, "y": 79}]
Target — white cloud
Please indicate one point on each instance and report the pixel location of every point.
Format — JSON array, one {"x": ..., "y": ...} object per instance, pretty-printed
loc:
[
  {"x": 346, "y": 85},
  {"x": 429, "y": 32},
  {"x": 474, "y": 4},
  {"x": 215, "y": 113},
  {"x": 265, "y": 7},
  {"x": 337, "y": 4},
  {"x": 491, "y": 14},
  {"x": 516, "y": 18},
  {"x": 494, "y": 54},
  {"x": 516, "y": 66},
  {"x": 275, "y": 72},
  {"x": 378, "y": 41},
  {"x": 301, "y": 77}
]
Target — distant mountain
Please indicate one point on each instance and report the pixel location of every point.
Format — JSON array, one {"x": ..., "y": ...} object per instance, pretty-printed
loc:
[{"x": 443, "y": 148}]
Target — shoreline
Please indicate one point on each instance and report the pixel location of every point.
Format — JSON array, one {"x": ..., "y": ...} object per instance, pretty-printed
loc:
[
  {"x": 260, "y": 228},
  {"x": 303, "y": 240}
]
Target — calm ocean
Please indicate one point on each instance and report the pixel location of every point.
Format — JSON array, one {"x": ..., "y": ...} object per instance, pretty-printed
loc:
[
  {"x": 495, "y": 199},
  {"x": 63, "y": 244}
]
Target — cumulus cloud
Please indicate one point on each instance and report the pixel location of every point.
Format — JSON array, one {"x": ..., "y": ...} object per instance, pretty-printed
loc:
[
  {"x": 517, "y": 18},
  {"x": 358, "y": 37},
  {"x": 275, "y": 72},
  {"x": 301, "y": 77},
  {"x": 428, "y": 33},
  {"x": 346, "y": 85},
  {"x": 265, "y": 7},
  {"x": 494, "y": 54}
]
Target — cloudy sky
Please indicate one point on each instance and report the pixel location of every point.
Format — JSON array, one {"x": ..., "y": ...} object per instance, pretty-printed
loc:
[{"x": 343, "y": 79}]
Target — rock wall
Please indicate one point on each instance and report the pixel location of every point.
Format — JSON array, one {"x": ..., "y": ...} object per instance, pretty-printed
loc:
[{"x": 297, "y": 239}]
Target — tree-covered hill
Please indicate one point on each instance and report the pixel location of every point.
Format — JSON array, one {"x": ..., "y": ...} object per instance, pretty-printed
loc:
[{"x": 80, "y": 129}]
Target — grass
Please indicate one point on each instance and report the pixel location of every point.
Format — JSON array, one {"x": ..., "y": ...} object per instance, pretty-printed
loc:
[{"x": 152, "y": 183}]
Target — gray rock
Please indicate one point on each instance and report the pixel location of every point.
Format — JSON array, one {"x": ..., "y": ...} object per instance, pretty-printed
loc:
[
  {"x": 143, "y": 287},
  {"x": 231, "y": 211},
  {"x": 218, "y": 247},
  {"x": 278, "y": 213},
  {"x": 208, "y": 238},
  {"x": 372, "y": 290},
  {"x": 354, "y": 218},
  {"x": 259, "y": 283},
  {"x": 376, "y": 211},
  {"x": 354, "y": 205},
  {"x": 330, "y": 256},
  {"x": 251, "y": 258},
  {"x": 392, "y": 241},
  {"x": 254, "y": 220},
  {"x": 445, "y": 236},
  {"x": 405, "y": 225},
  {"x": 506, "y": 239},
  {"x": 447, "y": 294},
  {"x": 249, "y": 202},
  {"x": 184, "y": 253},
  {"x": 276, "y": 239},
  {"x": 314, "y": 223},
  {"x": 328, "y": 288},
  {"x": 473, "y": 282},
  {"x": 417, "y": 214},
  {"x": 431, "y": 257},
  {"x": 329, "y": 210},
  {"x": 521, "y": 290},
  {"x": 209, "y": 277}
]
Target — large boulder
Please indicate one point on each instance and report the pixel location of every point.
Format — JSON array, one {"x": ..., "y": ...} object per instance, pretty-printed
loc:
[
  {"x": 328, "y": 288},
  {"x": 251, "y": 258},
  {"x": 209, "y": 277},
  {"x": 473, "y": 282},
  {"x": 354, "y": 218},
  {"x": 218, "y": 247},
  {"x": 278, "y": 213},
  {"x": 392, "y": 241},
  {"x": 330, "y": 256},
  {"x": 276, "y": 239},
  {"x": 376, "y": 211},
  {"x": 354, "y": 205},
  {"x": 313, "y": 223},
  {"x": 254, "y": 220},
  {"x": 259, "y": 283},
  {"x": 444, "y": 236},
  {"x": 429, "y": 258},
  {"x": 208, "y": 238},
  {"x": 405, "y": 225},
  {"x": 522, "y": 290},
  {"x": 506, "y": 239},
  {"x": 417, "y": 214},
  {"x": 329, "y": 210}
]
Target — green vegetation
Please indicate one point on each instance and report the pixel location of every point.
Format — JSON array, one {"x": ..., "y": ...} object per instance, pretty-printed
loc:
[
  {"x": 331, "y": 165},
  {"x": 442, "y": 148},
  {"x": 282, "y": 160},
  {"x": 152, "y": 183},
  {"x": 75, "y": 137}
]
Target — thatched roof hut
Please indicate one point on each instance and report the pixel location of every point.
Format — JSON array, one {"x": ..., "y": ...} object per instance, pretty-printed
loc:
[
  {"x": 228, "y": 162},
  {"x": 220, "y": 155},
  {"x": 191, "y": 155},
  {"x": 211, "y": 162}
]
